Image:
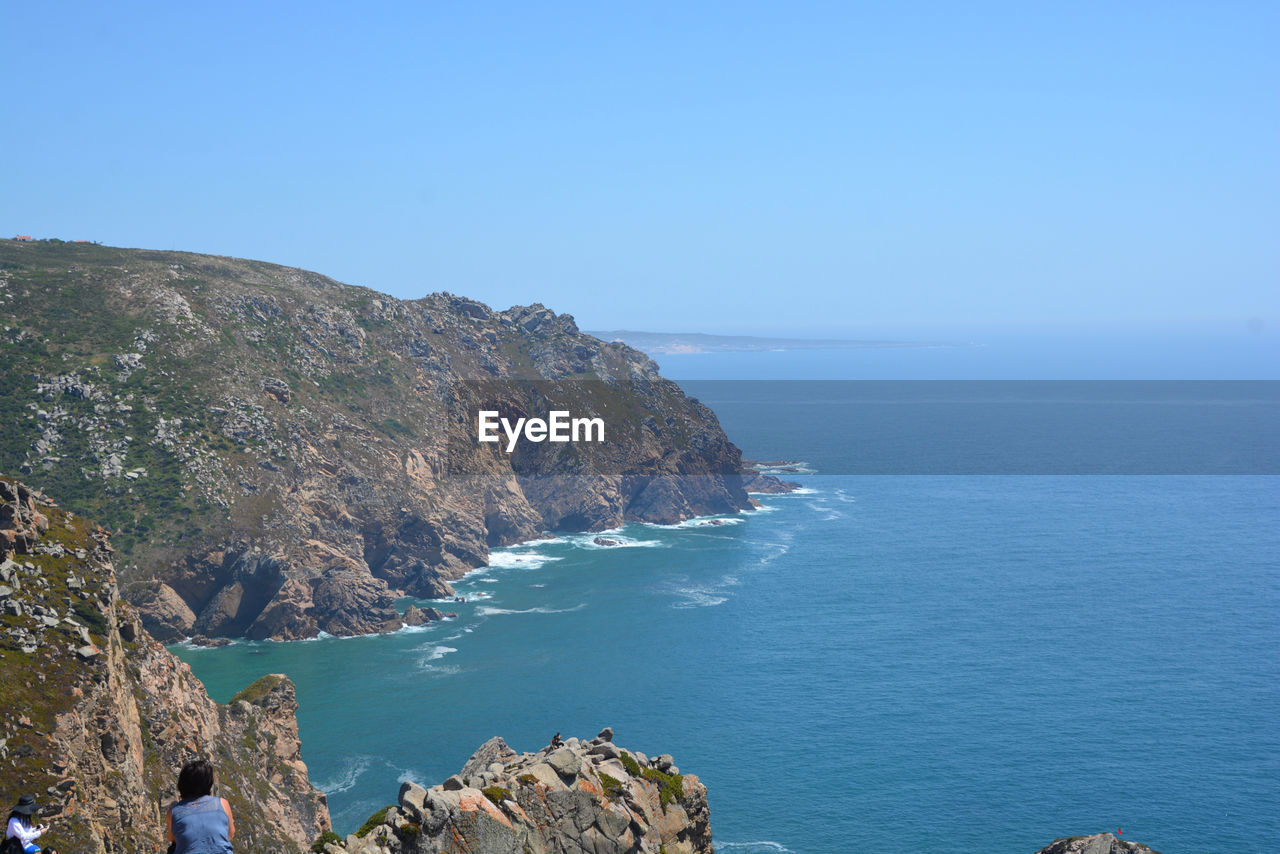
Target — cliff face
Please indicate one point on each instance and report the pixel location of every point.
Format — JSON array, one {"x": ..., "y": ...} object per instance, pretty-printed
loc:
[
  {"x": 587, "y": 796},
  {"x": 294, "y": 451},
  {"x": 97, "y": 717}
]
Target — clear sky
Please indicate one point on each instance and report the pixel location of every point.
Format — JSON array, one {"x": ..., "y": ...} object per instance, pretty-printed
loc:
[{"x": 876, "y": 169}]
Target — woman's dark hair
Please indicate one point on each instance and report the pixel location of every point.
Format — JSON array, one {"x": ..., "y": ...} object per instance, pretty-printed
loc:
[
  {"x": 195, "y": 779},
  {"x": 22, "y": 817}
]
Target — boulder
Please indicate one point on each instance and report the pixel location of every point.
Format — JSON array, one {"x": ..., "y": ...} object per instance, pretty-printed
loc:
[{"x": 565, "y": 762}]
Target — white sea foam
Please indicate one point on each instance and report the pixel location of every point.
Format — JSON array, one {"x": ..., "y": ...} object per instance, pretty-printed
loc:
[
  {"x": 699, "y": 522},
  {"x": 512, "y": 560},
  {"x": 529, "y": 544},
  {"x": 436, "y": 652},
  {"x": 487, "y": 611},
  {"x": 488, "y": 580},
  {"x": 778, "y": 551},
  {"x": 699, "y": 597},
  {"x": 704, "y": 595},
  {"x": 830, "y": 514},
  {"x": 352, "y": 768},
  {"x": 753, "y": 847},
  {"x": 410, "y": 775},
  {"x": 619, "y": 542}
]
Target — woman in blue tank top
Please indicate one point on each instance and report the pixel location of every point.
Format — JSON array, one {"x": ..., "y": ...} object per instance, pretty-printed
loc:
[{"x": 199, "y": 823}]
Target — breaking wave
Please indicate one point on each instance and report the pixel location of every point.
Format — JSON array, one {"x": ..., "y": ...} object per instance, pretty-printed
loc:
[{"x": 513, "y": 560}]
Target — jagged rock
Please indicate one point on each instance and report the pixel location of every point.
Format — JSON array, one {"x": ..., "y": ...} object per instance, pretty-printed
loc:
[
  {"x": 605, "y": 749},
  {"x": 493, "y": 752},
  {"x": 164, "y": 613},
  {"x": 205, "y": 641},
  {"x": 1101, "y": 843},
  {"x": 565, "y": 762},
  {"x": 606, "y": 541},
  {"x": 598, "y": 808},
  {"x": 278, "y": 389},
  {"x": 415, "y": 616}
]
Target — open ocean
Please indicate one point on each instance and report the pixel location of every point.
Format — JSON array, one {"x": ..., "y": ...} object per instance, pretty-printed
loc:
[{"x": 929, "y": 648}]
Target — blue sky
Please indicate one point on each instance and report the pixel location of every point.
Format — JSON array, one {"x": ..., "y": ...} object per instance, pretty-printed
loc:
[{"x": 802, "y": 168}]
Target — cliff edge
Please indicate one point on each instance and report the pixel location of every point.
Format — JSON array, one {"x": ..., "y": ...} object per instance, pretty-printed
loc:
[
  {"x": 96, "y": 717},
  {"x": 588, "y": 796}
]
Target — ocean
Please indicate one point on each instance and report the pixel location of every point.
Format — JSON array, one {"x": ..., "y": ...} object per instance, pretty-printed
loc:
[{"x": 990, "y": 618}]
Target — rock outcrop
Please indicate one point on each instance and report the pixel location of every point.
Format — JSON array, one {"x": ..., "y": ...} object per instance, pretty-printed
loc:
[
  {"x": 96, "y": 717},
  {"x": 571, "y": 796},
  {"x": 1101, "y": 843},
  {"x": 295, "y": 452}
]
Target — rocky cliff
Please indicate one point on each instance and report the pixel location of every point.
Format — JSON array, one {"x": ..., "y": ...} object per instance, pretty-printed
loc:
[
  {"x": 96, "y": 717},
  {"x": 294, "y": 452},
  {"x": 576, "y": 796}
]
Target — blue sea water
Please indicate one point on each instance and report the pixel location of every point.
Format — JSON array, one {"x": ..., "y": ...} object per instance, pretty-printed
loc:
[{"x": 885, "y": 662}]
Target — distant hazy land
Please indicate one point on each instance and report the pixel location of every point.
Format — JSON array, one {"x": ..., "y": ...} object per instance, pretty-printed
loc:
[{"x": 659, "y": 343}]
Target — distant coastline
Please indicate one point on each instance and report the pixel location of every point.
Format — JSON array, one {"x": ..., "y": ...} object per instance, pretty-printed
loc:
[{"x": 684, "y": 343}]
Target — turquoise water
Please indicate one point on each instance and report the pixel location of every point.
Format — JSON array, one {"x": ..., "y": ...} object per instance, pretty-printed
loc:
[{"x": 969, "y": 663}]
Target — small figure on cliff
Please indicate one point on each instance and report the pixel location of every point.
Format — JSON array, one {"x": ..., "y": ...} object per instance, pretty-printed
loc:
[
  {"x": 20, "y": 825},
  {"x": 555, "y": 740},
  {"x": 199, "y": 823}
]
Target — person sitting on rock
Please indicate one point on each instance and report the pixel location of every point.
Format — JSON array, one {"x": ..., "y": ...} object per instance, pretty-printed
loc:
[
  {"x": 199, "y": 823},
  {"x": 20, "y": 825}
]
